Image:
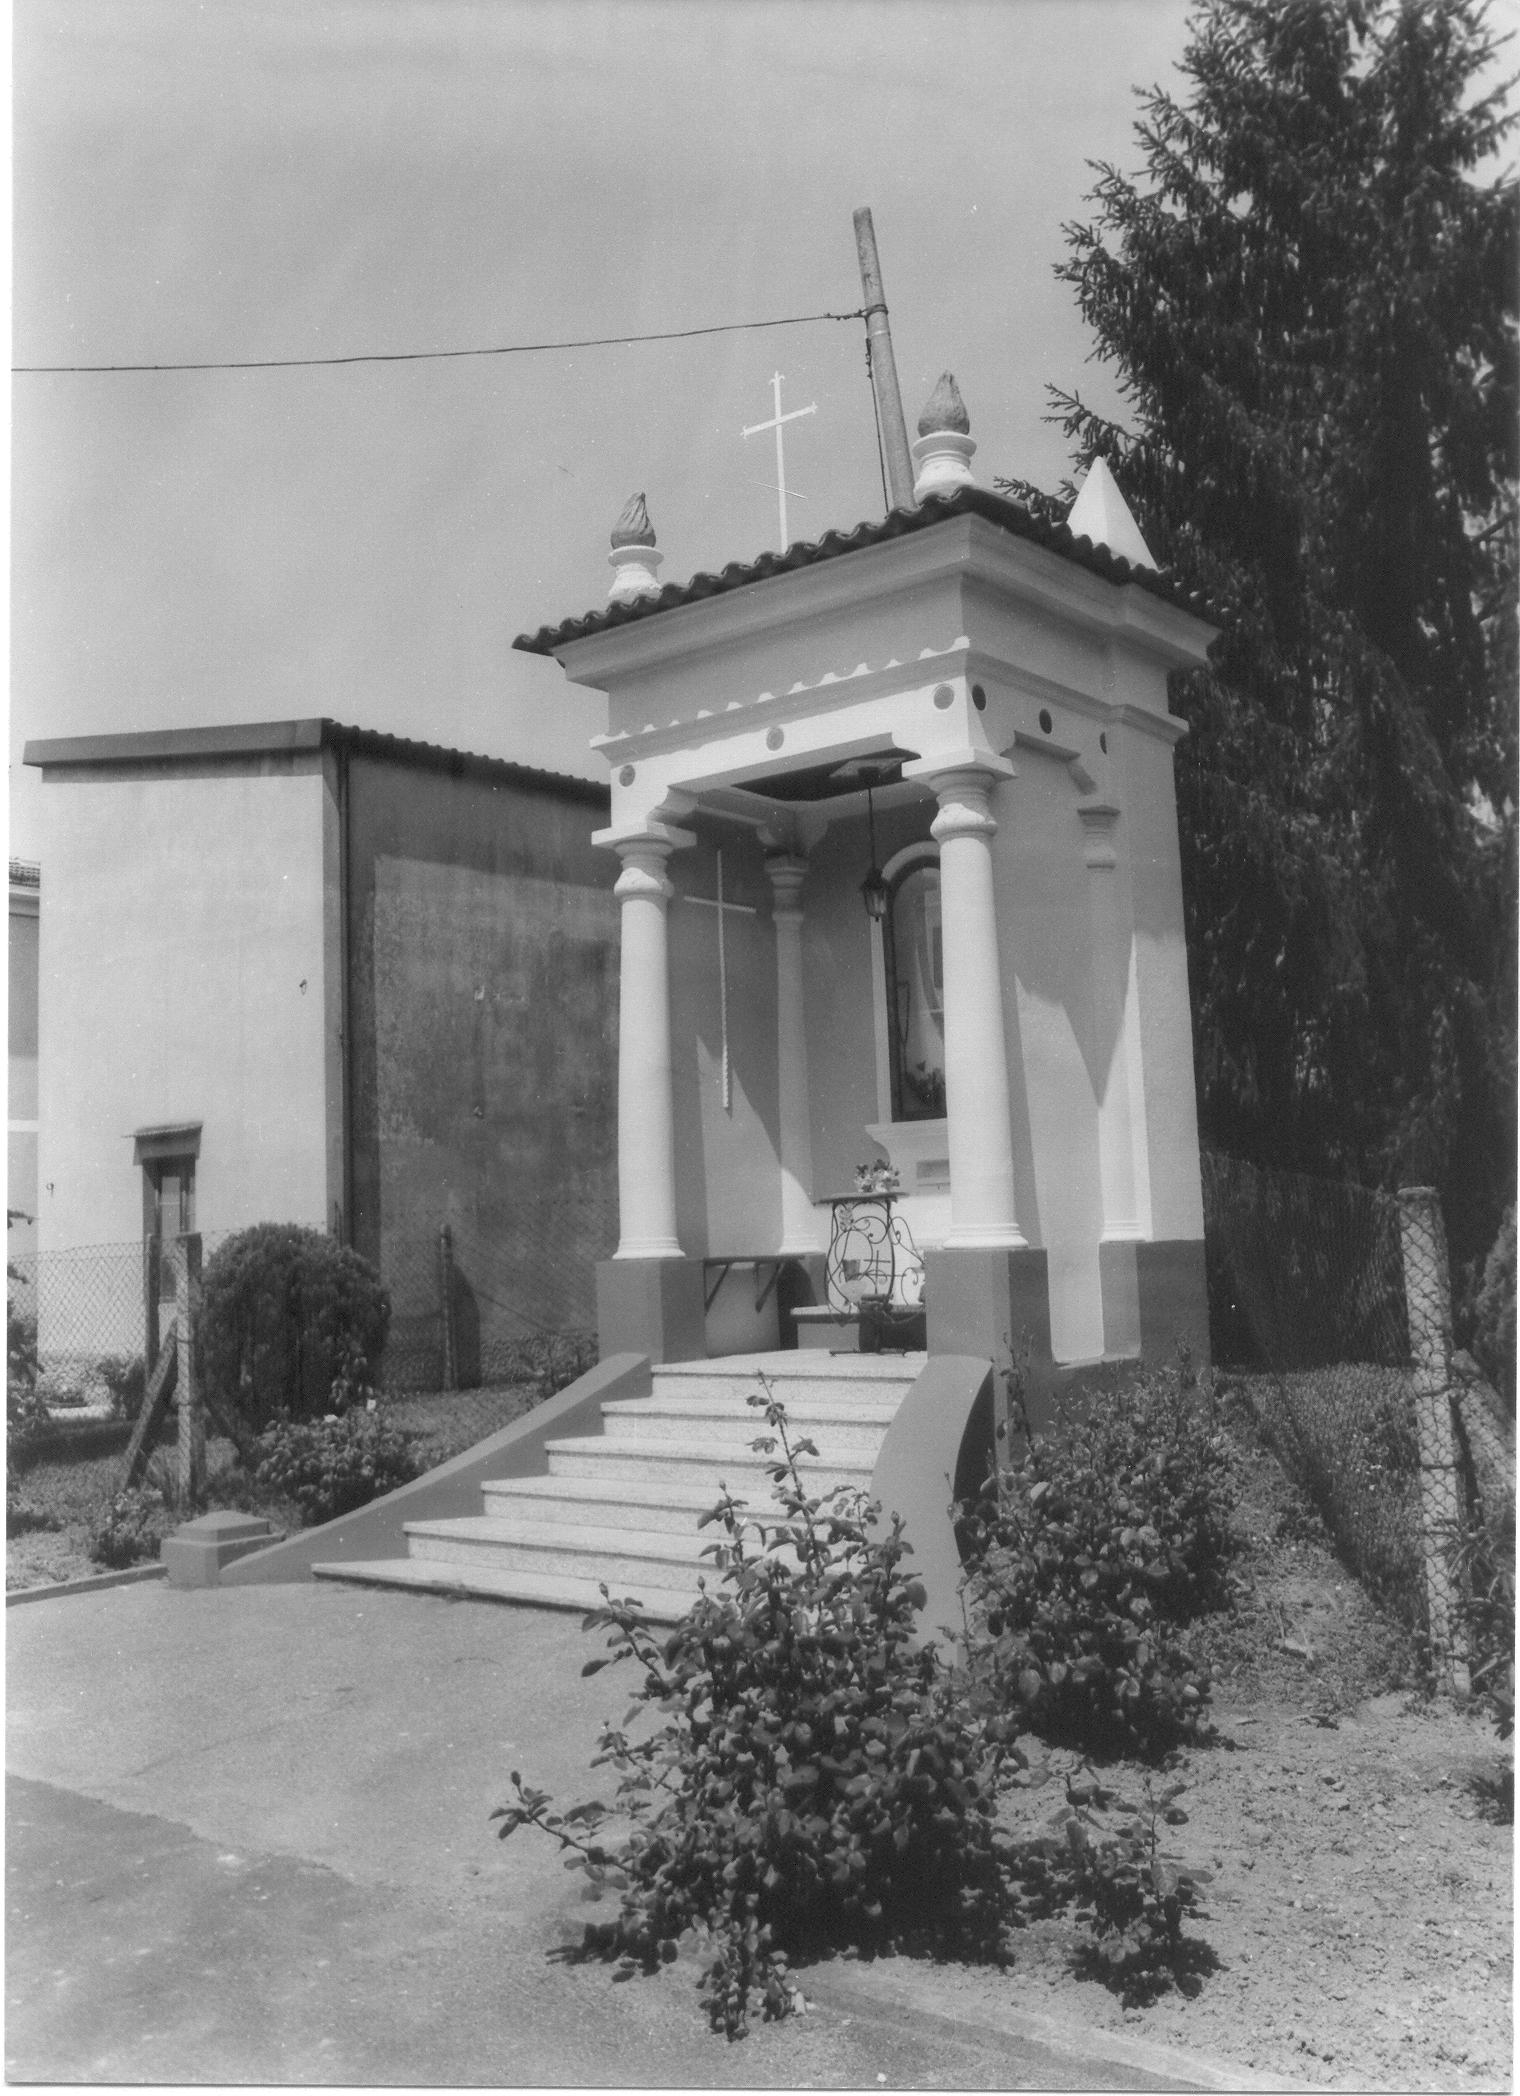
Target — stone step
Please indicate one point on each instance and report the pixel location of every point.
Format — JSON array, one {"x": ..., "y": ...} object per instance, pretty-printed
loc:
[
  {"x": 627, "y": 1504},
  {"x": 490, "y": 1583},
  {"x": 628, "y": 1561},
  {"x": 796, "y": 1379},
  {"x": 851, "y": 1431},
  {"x": 614, "y": 1458}
]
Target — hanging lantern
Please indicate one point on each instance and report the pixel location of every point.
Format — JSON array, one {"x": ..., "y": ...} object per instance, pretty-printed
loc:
[{"x": 873, "y": 889}]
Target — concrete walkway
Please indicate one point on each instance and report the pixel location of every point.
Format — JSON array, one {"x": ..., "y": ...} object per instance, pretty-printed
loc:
[{"x": 248, "y": 1840}]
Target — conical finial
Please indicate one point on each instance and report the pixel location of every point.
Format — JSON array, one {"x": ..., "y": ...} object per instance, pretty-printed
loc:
[
  {"x": 633, "y": 527},
  {"x": 1100, "y": 513},
  {"x": 945, "y": 409},
  {"x": 633, "y": 560},
  {"x": 942, "y": 450}
]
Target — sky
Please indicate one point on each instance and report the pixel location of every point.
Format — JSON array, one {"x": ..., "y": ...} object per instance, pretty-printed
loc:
[{"x": 296, "y": 178}]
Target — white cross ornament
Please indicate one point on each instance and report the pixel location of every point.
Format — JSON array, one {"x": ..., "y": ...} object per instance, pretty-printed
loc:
[{"x": 775, "y": 423}]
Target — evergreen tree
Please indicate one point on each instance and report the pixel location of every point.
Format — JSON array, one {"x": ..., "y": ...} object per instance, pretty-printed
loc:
[{"x": 1308, "y": 299}]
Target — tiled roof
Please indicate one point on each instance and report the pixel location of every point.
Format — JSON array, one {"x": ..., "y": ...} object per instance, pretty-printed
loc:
[
  {"x": 1011, "y": 517},
  {"x": 25, "y": 873},
  {"x": 261, "y": 738}
]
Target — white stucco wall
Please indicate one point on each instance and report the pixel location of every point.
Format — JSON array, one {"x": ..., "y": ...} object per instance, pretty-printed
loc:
[
  {"x": 728, "y": 1188},
  {"x": 184, "y": 978}
]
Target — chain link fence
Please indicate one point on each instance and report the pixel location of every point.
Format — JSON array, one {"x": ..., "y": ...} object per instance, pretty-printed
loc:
[
  {"x": 467, "y": 1309},
  {"x": 1331, "y": 1305},
  {"x": 464, "y": 1311},
  {"x": 84, "y": 1309}
]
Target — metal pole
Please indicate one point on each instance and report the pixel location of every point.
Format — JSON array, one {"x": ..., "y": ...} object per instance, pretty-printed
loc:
[
  {"x": 446, "y": 1306},
  {"x": 192, "y": 1424},
  {"x": 894, "y": 433}
]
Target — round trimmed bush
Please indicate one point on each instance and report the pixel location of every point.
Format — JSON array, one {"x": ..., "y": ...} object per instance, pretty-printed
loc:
[{"x": 285, "y": 1314}]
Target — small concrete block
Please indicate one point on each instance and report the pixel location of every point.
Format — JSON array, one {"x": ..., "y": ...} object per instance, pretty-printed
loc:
[
  {"x": 195, "y": 1554},
  {"x": 821, "y": 1329}
]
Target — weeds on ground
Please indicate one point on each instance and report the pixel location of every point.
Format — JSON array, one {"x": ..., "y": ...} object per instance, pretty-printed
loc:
[
  {"x": 128, "y": 1529},
  {"x": 1263, "y": 1647}
]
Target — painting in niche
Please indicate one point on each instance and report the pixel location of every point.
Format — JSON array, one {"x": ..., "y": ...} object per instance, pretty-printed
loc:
[{"x": 915, "y": 951}]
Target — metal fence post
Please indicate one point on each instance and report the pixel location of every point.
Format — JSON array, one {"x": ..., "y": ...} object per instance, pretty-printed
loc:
[
  {"x": 153, "y": 1251},
  {"x": 446, "y": 1307},
  {"x": 1427, "y": 1296},
  {"x": 192, "y": 1423}
]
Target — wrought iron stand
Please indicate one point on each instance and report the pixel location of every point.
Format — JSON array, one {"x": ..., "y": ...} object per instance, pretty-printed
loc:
[{"x": 871, "y": 1250}]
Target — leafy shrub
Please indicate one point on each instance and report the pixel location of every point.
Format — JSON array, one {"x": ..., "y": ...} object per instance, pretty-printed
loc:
[
  {"x": 127, "y": 1530},
  {"x": 126, "y": 1378},
  {"x": 1484, "y": 1567},
  {"x": 26, "y": 1420},
  {"x": 20, "y": 1329},
  {"x": 814, "y": 1780},
  {"x": 328, "y": 1467},
  {"x": 283, "y": 1312},
  {"x": 1131, "y": 1896},
  {"x": 20, "y": 1346},
  {"x": 817, "y": 1779},
  {"x": 1087, "y": 1554}
]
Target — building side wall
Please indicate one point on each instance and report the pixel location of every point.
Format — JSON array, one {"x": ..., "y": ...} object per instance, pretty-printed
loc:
[
  {"x": 21, "y": 1090},
  {"x": 1054, "y": 1079},
  {"x": 181, "y": 980},
  {"x": 1163, "y": 1012},
  {"x": 483, "y": 1005}
]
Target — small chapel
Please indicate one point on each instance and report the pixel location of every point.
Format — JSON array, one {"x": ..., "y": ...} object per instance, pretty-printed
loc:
[
  {"x": 904, "y": 1055},
  {"x": 901, "y": 911}
]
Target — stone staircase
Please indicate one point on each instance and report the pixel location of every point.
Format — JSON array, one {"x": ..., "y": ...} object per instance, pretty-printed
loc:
[{"x": 623, "y": 1506}]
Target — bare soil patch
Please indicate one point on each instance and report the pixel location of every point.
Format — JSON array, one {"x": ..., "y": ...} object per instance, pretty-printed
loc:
[{"x": 1358, "y": 1926}]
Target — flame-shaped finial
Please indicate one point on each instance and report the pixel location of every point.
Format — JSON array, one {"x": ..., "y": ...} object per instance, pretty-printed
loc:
[
  {"x": 633, "y": 527},
  {"x": 945, "y": 409}
]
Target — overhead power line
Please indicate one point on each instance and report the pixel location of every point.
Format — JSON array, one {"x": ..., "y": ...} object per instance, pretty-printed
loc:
[{"x": 424, "y": 356}]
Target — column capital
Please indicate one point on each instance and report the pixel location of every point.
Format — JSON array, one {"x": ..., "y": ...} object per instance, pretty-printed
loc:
[
  {"x": 1099, "y": 819},
  {"x": 659, "y": 839},
  {"x": 644, "y": 852},
  {"x": 962, "y": 773},
  {"x": 787, "y": 872}
]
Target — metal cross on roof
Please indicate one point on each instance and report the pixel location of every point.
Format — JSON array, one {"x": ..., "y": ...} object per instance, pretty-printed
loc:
[{"x": 775, "y": 423}]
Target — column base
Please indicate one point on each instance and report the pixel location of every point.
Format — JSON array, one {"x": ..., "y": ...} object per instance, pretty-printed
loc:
[
  {"x": 1173, "y": 1299},
  {"x": 986, "y": 1302},
  {"x": 653, "y": 1307},
  {"x": 1119, "y": 1287}
]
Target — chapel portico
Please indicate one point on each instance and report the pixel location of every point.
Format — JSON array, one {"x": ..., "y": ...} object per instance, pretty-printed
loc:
[{"x": 980, "y": 698}]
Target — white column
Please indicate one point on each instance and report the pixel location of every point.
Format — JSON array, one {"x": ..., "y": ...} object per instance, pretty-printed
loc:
[
  {"x": 801, "y": 1228},
  {"x": 1123, "y": 1219},
  {"x": 646, "y": 1133},
  {"x": 976, "y": 1057}
]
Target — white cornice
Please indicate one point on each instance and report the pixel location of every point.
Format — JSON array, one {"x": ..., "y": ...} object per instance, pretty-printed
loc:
[{"x": 960, "y": 547}]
